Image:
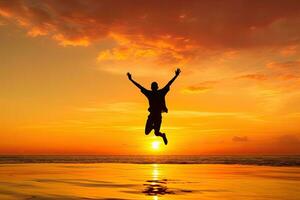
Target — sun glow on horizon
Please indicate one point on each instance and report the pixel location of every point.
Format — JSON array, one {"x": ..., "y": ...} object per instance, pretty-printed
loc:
[{"x": 156, "y": 145}]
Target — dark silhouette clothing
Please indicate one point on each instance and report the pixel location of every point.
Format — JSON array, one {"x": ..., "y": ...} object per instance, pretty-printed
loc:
[
  {"x": 157, "y": 104},
  {"x": 153, "y": 122},
  {"x": 156, "y": 99}
]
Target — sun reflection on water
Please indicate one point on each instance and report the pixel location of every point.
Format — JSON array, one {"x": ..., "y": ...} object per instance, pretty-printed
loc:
[
  {"x": 155, "y": 172},
  {"x": 156, "y": 186}
]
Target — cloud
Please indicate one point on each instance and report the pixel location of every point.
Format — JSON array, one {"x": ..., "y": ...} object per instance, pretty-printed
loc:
[
  {"x": 2, "y": 23},
  {"x": 196, "y": 114},
  {"x": 289, "y": 50},
  {"x": 196, "y": 89},
  {"x": 289, "y": 139},
  {"x": 119, "y": 107},
  {"x": 131, "y": 107},
  {"x": 168, "y": 31},
  {"x": 287, "y": 70},
  {"x": 288, "y": 65},
  {"x": 288, "y": 143},
  {"x": 200, "y": 87},
  {"x": 240, "y": 139},
  {"x": 256, "y": 77}
]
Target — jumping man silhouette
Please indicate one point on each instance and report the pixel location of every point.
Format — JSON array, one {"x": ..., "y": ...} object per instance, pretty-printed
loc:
[{"x": 157, "y": 104}]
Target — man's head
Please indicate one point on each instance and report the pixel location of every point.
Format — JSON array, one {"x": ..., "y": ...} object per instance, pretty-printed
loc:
[{"x": 154, "y": 86}]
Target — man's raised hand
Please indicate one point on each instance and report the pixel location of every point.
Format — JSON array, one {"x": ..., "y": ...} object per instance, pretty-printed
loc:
[
  {"x": 129, "y": 75},
  {"x": 177, "y": 72}
]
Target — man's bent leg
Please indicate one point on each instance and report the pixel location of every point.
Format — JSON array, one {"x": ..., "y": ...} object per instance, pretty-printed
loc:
[
  {"x": 157, "y": 124},
  {"x": 157, "y": 133},
  {"x": 149, "y": 125},
  {"x": 163, "y": 135}
]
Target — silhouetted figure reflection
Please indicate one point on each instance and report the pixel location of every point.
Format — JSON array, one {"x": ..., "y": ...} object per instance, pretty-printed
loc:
[
  {"x": 156, "y": 186},
  {"x": 157, "y": 104}
]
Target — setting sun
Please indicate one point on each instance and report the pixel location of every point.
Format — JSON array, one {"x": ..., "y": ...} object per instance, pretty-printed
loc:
[{"x": 155, "y": 145}]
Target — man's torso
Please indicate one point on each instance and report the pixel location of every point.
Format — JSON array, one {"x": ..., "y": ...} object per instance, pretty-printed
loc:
[{"x": 156, "y": 100}]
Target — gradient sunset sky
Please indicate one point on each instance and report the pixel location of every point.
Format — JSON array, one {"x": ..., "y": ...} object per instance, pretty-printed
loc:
[{"x": 64, "y": 88}]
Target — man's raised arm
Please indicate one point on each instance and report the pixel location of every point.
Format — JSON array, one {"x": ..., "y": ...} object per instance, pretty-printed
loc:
[
  {"x": 177, "y": 72},
  {"x": 135, "y": 83}
]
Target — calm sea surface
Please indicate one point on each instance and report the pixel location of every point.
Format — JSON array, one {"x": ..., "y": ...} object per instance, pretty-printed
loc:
[{"x": 149, "y": 177}]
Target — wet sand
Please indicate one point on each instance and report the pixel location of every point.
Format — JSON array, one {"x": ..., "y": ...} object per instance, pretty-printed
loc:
[{"x": 147, "y": 181}]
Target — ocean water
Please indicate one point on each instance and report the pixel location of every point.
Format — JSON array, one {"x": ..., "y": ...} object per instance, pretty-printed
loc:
[
  {"x": 169, "y": 159},
  {"x": 149, "y": 177},
  {"x": 123, "y": 181}
]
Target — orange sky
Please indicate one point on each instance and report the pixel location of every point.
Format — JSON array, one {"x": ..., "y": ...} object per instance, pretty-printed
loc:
[{"x": 64, "y": 89}]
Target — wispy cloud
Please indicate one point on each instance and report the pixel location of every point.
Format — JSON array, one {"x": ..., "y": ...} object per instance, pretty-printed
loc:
[
  {"x": 289, "y": 139},
  {"x": 256, "y": 77},
  {"x": 240, "y": 139},
  {"x": 131, "y": 107},
  {"x": 288, "y": 143},
  {"x": 289, "y": 50},
  {"x": 200, "y": 87},
  {"x": 193, "y": 113},
  {"x": 120, "y": 107},
  {"x": 284, "y": 65}
]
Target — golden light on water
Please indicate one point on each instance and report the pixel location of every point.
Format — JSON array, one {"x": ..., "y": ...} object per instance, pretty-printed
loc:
[{"x": 155, "y": 172}]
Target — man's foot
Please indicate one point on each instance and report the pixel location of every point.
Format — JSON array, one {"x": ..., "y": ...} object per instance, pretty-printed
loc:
[{"x": 165, "y": 138}]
